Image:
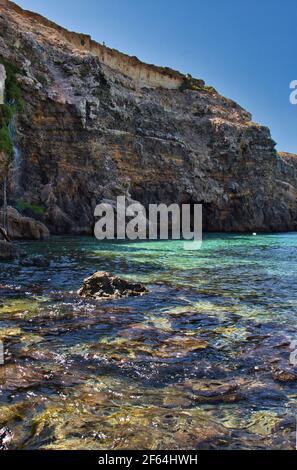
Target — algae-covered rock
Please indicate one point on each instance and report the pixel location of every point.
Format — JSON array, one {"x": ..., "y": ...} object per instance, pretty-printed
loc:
[
  {"x": 180, "y": 346},
  {"x": 17, "y": 377},
  {"x": 102, "y": 285}
]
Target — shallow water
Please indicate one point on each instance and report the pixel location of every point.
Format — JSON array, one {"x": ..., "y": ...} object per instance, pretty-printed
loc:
[{"x": 202, "y": 361}]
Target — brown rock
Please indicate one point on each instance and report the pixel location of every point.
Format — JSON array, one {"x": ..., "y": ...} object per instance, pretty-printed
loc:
[
  {"x": 210, "y": 391},
  {"x": 15, "y": 377},
  {"x": 102, "y": 285},
  {"x": 24, "y": 228},
  {"x": 179, "y": 346},
  {"x": 284, "y": 375}
]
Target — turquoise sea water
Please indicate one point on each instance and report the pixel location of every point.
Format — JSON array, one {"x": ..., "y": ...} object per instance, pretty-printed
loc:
[{"x": 202, "y": 361}]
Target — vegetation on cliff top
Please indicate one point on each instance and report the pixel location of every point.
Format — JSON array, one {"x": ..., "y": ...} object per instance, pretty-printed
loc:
[{"x": 190, "y": 83}]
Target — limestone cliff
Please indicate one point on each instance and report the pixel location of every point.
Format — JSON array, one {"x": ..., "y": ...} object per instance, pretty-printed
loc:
[{"x": 98, "y": 123}]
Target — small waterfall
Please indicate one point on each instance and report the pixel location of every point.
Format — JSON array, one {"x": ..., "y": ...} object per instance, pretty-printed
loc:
[{"x": 16, "y": 165}]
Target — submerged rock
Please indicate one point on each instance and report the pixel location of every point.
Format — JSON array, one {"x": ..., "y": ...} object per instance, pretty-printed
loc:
[
  {"x": 102, "y": 285},
  {"x": 214, "y": 391},
  {"x": 179, "y": 346},
  {"x": 18, "y": 377},
  {"x": 284, "y": 375},
  {"x": 35, "y": 261},
  {"x": 7, "y": 251}
]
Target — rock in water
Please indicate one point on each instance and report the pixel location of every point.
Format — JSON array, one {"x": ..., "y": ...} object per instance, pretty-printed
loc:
[
  {"x": 285, "y": 375},
  {"x": 103, "y": 285},
  {"x": 35, "y": 261},
  {"x": 24, "y": 228},
  {"x": 7, "y": 251},
  {"x": 5, "y": 438}
]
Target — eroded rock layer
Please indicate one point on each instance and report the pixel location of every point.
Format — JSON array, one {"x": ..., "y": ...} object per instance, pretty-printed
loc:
[{"x": 91, "y": 130}]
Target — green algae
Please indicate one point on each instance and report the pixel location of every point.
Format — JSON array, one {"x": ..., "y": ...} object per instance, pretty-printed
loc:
[
  {"x": 24, "y": 307},
  {"x": 9, "y": 333},
  {"x": 159, "y": 322},
  {"x": 263, "y": 422}
]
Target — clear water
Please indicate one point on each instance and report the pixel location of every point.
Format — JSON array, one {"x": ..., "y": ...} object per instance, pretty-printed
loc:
[{"x": 202, "y": 361}]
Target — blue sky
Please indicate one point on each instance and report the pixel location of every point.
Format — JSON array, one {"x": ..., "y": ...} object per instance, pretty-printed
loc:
[{"x": 243, "y": 48}]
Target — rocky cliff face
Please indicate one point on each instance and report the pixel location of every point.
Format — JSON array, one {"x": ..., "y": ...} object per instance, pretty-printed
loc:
[{"x": 94, "y": 128}]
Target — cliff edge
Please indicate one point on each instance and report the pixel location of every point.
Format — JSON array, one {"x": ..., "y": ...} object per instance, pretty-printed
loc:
[{"x": 97, "y": 123}]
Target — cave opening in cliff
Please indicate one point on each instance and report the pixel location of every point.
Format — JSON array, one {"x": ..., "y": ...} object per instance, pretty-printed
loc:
[
  {"x": 154, "y": 197},
  {"x": 207, "y": 212},
  {"x": 207, "y": 217}
]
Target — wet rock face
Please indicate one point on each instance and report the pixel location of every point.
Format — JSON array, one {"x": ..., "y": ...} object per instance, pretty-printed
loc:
[
  {"x": 25, "y": 228},
  {"x": 103, "y": 285},
  {"x": 87, "y": 130}
]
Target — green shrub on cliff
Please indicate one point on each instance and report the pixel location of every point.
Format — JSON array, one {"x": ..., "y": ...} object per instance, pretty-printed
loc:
[
  {"x": 13, "y": 102},
  {"x": 22, "y": 205},
  {"x": 211, "y": 89},
  {"x": 6, "y": 144},
  {"x": 6, "y": 114},
  {"x": 190, "y": 83},
  {"x": 13, "y": 94}
]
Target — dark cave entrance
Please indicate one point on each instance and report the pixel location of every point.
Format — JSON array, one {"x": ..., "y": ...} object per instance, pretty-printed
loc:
[
  {"x": 208, "y": 209},
  {"x": 208, "y": 212}
]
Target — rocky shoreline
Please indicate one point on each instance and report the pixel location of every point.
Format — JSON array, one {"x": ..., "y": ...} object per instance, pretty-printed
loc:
[{"x": 19, "y": 228}]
